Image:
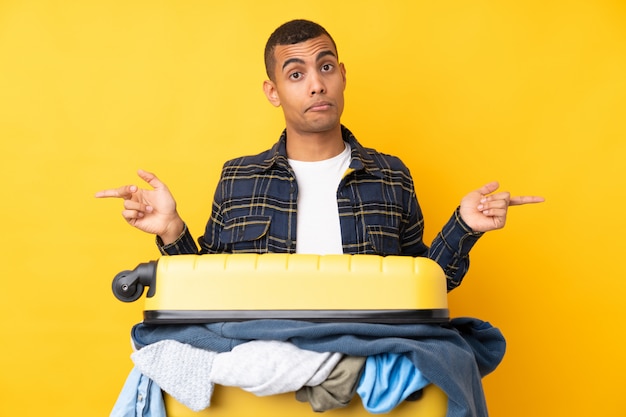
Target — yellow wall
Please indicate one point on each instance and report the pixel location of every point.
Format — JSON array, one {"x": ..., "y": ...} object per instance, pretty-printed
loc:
[{"x": 530, "y": 93}]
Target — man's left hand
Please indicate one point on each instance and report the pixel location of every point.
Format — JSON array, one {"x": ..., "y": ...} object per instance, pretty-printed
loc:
[{"x": 484, "y": 209}]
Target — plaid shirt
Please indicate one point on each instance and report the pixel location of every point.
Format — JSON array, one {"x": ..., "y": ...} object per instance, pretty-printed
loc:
[{"x": 255, "y": 207}]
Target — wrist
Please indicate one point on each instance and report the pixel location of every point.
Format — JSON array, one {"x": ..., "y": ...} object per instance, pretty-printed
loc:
[
  {"x": 172, "y": 232},
  {"x": 464, "y": 224}
]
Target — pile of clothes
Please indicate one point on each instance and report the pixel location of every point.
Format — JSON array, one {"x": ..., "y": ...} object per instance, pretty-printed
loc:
[{"x": 325, "y": 364}]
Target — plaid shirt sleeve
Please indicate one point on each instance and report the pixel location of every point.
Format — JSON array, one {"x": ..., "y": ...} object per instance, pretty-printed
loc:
[
  {"x": 451, "y": 247},
  {"x": 184, "y": 245}
]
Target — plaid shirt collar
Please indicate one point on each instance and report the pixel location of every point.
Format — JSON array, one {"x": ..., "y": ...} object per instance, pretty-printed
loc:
[{"x": 360, "y": 158}]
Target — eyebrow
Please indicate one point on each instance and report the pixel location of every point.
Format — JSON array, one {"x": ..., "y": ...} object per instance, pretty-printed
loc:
[{"x": 321, "y": 55}]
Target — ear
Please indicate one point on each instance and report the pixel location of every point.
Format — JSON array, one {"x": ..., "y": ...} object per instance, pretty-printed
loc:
[
  {"x": 342, "y": 67},
  {"x": 269, "y": 88}
]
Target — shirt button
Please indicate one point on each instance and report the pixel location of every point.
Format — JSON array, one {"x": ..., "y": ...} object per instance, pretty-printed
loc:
[{"x": 289, "y": 243}]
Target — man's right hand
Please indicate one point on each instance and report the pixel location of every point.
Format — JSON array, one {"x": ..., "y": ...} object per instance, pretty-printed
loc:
[{"x": 152, "y": 211}]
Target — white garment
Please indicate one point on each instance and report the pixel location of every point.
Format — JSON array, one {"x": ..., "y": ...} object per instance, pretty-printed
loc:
[
  {"x": 268, "y": 367},
  {"x": 319, "y": 231}
]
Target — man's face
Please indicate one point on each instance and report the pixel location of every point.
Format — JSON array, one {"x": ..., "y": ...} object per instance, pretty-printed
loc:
[{"x": 308, "y": 83}]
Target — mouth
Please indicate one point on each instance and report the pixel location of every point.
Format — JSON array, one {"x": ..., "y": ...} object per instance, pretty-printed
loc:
[{"x": 319, "y": 106}]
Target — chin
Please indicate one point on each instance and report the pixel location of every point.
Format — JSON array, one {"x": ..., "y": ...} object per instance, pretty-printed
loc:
[{"x": 324, "y": 126}]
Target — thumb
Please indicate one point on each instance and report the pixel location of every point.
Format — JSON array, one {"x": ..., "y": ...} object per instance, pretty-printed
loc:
[
  {"x": 489, "y": 188},
  {"x": 150, "y": 178}
]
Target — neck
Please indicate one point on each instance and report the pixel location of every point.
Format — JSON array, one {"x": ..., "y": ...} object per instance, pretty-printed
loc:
[{"x": 310, "y": 147}]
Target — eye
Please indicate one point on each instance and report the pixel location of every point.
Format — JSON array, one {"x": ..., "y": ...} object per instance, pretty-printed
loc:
[
  {"x": 327, "y": 67},
  {"x": 295, "y": 75}
]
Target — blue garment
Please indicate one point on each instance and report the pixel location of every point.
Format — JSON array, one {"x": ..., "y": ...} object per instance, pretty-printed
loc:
[
  {"x": 453, "y": 357},
  {"x": 140, "y": 397},
  {"x": 255, "y": 207},
  {"x": 387, "y": 380}
]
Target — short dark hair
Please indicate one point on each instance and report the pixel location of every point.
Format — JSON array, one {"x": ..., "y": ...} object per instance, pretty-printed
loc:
[{"x": 292, "y": 32}]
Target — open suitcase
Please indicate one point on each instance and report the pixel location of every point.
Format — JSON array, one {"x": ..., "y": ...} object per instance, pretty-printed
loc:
[{"x": 316, "y": 288}]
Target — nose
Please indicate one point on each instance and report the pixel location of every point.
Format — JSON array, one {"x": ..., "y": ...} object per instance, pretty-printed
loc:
[{"x": 317, "y": 85}]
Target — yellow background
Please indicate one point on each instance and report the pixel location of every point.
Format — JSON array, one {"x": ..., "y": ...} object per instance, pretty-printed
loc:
[{"x": 530, "y": 93}]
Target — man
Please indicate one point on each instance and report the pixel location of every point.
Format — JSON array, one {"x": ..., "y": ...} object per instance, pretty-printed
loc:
[{"x": 317, "y": 190}]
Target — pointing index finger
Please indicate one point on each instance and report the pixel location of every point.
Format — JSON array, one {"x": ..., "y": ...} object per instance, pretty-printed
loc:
[
  {"x": 526, "y": 199},
  {"x": 124, "y": 192}
]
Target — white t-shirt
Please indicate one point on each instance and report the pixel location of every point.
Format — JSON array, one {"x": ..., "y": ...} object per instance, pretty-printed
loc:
[{"x": 318, "y": 229}]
